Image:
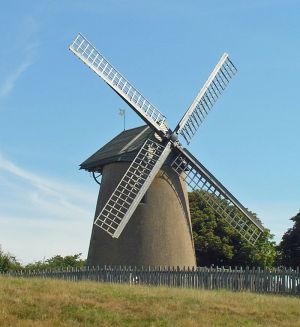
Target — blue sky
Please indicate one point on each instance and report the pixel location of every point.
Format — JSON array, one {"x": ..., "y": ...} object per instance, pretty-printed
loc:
[{"x": 54, "y": 112}]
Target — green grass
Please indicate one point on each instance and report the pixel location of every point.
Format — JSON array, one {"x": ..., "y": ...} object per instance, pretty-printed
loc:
[{"x": 37, "y": 302}]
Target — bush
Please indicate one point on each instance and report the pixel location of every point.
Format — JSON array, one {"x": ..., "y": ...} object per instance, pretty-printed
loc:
[{"x": 8, "y": 262}]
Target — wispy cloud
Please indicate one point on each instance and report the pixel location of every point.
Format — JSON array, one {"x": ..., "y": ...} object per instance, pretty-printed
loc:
[
  {"x": 21, "y": 56},
  {"x": 9, "y": 83},
  {"x": 40, "y": 216},
  {"x": 48, "y": 186}
]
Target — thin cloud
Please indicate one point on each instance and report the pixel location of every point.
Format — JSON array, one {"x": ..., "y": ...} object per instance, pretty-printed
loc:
[
  {"x": 37, "y": 209},
  {"x": 8, "y": 85},
  {"x": 46, "y": 185},
  {"x": 23, "y": 51}
]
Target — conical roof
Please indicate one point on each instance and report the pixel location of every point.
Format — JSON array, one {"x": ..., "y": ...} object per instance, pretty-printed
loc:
[{"x": 123, "y": 147}]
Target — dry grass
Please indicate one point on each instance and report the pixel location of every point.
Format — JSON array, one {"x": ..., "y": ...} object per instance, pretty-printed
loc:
[{"x": 46, "y": 303}]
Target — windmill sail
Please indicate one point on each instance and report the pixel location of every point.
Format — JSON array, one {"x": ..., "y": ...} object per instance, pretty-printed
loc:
[
  {"x": 85, "y": 51},
  {"x": 217, "y": 196},
  {"x": 132, "y": 187},
  {"x": 206, "y": 98},
  {"x": 150, "y": 158}
]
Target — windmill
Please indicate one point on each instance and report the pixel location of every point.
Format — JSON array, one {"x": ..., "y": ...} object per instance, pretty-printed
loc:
[{"x": 149, "y": 161}]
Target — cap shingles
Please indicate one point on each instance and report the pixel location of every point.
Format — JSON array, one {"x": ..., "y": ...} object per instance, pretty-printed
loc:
[{"x": 121, "y": 148}]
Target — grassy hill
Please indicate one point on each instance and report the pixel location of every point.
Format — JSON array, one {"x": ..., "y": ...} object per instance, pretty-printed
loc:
[{"x": 36, "y": 302}]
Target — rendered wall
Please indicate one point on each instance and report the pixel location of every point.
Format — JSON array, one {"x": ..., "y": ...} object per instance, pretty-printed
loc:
[{"x": 158, "y": 233}]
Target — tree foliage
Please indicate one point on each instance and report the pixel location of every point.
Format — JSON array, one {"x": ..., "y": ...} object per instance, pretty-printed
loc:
[
  {"x": 8, "y": 262},
  {"x": 57, "y": 262},
  {"x": 289, "y": 248},
  {"x": 217, "y": 243}
]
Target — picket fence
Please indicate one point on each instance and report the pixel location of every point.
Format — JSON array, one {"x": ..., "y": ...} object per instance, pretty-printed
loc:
[{"x": 276, "y": 281}]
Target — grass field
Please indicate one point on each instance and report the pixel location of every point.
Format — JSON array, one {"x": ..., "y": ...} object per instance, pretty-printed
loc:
[{"x": 37, "y": 302}]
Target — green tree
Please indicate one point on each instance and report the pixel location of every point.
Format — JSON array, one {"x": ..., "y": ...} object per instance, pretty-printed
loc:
[
  {"x": 289, "y": 247},
  {"x": 217, "y": 243},
  {"x": 8, "y": 262},
  {"x": 58, "y": 262}
]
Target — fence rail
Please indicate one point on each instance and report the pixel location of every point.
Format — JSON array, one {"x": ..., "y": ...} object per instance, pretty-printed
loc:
[{"x": 278, "y": 281}]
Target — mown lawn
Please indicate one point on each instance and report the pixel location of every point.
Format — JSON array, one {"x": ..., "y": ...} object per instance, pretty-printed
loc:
[{"x": 37, "y": 302}]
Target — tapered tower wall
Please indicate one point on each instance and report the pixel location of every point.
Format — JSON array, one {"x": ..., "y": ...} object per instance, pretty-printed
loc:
[{"x": 158, "y": 233}]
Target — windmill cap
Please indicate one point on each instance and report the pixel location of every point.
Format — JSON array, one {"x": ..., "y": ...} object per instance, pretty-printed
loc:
[{"x": 122, "y": 148}]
